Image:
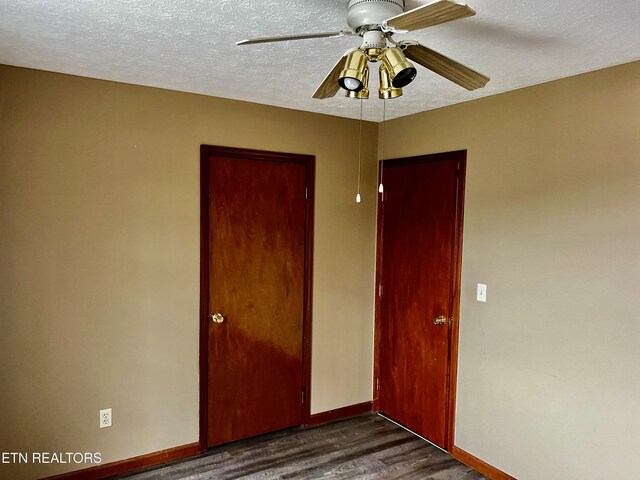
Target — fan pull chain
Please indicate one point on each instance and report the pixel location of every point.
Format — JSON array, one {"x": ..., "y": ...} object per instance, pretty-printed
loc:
[
  {"x": 384, "y": 114},
  {"x": 379, "y": 262},
  {"x": 358, "y": 198}
]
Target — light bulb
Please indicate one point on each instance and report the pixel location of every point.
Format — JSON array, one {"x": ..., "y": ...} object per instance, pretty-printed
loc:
[
  {"x": 358, "y": 198},
  {"x": 381, "y": 188},
  {"x": 352, "y": 84}
]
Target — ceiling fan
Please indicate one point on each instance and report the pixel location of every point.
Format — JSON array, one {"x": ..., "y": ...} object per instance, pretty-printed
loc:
[{"x": 376, "y": 21}]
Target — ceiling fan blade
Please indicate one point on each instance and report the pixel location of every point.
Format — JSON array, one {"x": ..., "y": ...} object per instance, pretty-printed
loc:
[
  {"x": 429, "y": 15},
  {"x": 444, "y": 66},
  {"x": 304, "y": 36},
  {"x": 329, "y": 86}
]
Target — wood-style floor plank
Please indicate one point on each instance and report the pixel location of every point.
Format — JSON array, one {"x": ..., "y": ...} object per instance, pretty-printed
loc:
[{"x": 366, "y": 447}]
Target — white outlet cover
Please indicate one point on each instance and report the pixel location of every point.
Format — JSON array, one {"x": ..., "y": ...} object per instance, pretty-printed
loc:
[{"x": 105, "y": 418}]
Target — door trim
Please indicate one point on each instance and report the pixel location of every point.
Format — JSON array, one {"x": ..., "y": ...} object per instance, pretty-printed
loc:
[
  {"x": 309, "y": 161},
  {"x": 461, "y": 156}
]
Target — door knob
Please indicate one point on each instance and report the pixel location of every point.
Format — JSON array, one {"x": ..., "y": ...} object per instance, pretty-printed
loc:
[
  {"x": 441, "y": 320},
  {"x": 217, "y": 318}
]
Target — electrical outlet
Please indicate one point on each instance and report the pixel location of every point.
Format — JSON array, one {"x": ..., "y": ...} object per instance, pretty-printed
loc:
[{"x": 105, "y": 418}]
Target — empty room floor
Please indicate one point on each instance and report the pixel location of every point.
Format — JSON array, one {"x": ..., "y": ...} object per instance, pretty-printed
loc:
[{"x": 363, "y": 447}]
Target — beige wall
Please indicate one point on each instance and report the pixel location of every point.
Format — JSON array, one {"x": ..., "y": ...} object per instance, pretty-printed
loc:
[
  {"x": 99, "y": 264},
  {"x": 549, "y": 379},
  {"x": 99, "y": 259}
]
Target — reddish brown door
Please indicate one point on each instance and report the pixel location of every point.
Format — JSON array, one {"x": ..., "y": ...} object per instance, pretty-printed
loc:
[
  {"x": 257, "y": 234},
  {"x": 417, "y": 269}
]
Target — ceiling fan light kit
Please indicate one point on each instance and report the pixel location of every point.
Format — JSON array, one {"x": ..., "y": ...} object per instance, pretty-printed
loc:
[
  {"x": 376, "y": 21},
  {"x": 387, "y": 91},
  {"x": 363, "y": 93},
  {"x": 400, "y": 70},
  {"x": 352, "y": 77}
]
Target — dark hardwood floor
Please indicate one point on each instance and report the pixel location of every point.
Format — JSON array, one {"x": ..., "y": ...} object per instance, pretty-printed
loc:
[{"x": 362, "y": 448}]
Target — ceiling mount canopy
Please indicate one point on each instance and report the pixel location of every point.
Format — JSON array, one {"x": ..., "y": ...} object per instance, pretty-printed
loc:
[{"x": 376, "y": 21}]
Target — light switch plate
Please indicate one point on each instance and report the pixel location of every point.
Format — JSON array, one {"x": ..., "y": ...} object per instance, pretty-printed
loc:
[{"x": 482, "y": 293}]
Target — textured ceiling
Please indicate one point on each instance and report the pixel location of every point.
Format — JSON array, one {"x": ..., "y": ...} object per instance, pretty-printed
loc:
[{"x": 188, "y": 45}]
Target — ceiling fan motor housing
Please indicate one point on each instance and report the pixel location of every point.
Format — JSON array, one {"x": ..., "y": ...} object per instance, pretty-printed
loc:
[{"x": 365, "y": 13}]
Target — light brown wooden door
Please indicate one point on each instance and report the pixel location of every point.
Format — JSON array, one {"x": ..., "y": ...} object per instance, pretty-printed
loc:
[
  {"x": 256, "y": 283},
  {"x": 417, "y": 269}
]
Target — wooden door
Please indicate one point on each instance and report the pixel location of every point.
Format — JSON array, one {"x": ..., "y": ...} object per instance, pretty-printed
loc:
[
  {"x": 418, "y": 268},
  {"x": 257, "y": 229}
]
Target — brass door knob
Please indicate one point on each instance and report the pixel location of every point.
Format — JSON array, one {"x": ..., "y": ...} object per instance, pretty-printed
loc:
[
  {"x": 441, "y": 320},
  {"x": 217, "y": 318}
]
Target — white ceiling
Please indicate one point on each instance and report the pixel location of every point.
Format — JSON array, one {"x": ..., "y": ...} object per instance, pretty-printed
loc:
[{"x": 188, "y": 45}]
